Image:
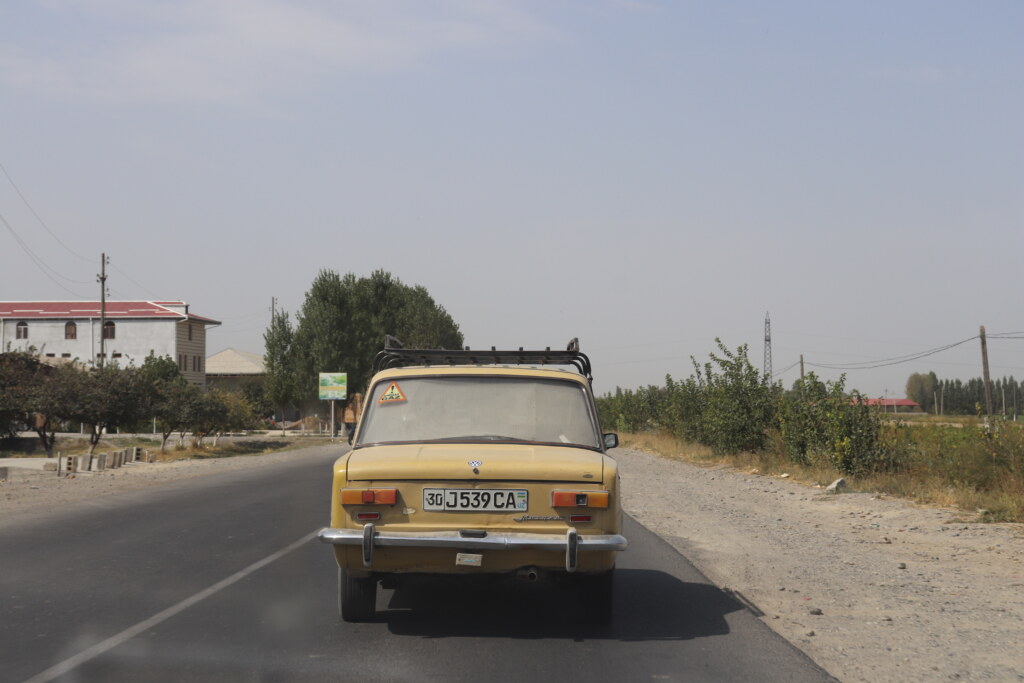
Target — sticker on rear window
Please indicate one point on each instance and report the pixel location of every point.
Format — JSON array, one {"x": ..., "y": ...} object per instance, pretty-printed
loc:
[{"x": 392, "y": 395}]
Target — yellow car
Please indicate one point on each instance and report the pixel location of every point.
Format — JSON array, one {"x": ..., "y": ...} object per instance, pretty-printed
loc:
[{"x": 477, "y": 462}]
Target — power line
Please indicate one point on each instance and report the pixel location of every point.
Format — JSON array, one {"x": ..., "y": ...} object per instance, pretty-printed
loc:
[
  {"x": 39, "y": 262},
  {"x": 127, "y": 277},
  {"x": 868, "y": 365},
  {"x": 786, "y": 369},
  {"x": 38, "y": 218}
]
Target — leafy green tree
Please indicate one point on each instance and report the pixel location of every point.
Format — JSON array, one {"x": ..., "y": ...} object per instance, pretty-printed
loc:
[
  {"x": 238, "y": 413},
  {"x": 343, "y": 321},
  {"x": 739, "y": 404},
  {"x": 170, "y": 407},
  {"x": 209, "y": 415},
  {"x": 19, "y": 371},
  {"x": 103, "y": 398},
  {"x": 36, "y": 394},
  {"x": 252, "y": 390},
  {"x": 921, "y": 388},
  {"x": 280, "y": 358}
]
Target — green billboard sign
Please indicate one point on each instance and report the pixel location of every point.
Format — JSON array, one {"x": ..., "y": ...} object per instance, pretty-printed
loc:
[{"x": 333, "y": 386}]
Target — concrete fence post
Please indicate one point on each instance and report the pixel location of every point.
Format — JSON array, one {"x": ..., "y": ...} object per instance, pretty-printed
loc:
[{"x": 101, "y": 462}]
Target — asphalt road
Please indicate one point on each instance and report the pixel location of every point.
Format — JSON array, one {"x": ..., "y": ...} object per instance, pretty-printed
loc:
[{"x": 218, "y": 578}]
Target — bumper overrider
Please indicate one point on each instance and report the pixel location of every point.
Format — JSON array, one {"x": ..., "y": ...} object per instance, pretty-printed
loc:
[{"x": 571, "y": 543}]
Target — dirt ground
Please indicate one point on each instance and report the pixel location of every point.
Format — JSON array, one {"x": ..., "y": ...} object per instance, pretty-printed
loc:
[{"x": 872, "y": 589}]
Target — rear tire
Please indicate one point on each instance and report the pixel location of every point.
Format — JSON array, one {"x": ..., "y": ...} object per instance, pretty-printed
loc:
[
  {"x": 597, "y": 596},
  {"x": 357, "y": 598}
]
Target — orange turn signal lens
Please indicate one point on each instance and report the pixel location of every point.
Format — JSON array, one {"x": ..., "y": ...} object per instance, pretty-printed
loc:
[
  {"x": 369, "y": 496},
  {"x": 579, "y": 499}
]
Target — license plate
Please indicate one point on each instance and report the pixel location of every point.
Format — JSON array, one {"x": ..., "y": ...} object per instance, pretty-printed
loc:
[{"x": 475, "y": 500}]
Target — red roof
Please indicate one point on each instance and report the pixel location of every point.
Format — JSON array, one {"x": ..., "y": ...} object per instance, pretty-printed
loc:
[
  {"x": 890, "y": 402},
  {"x": 44, "y": 310}
]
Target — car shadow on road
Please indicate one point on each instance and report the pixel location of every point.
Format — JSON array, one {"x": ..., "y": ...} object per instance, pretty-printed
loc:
[{"x": 649, "y": 605}]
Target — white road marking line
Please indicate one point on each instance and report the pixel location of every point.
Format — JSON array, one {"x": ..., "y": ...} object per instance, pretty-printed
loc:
[{"x": 129, "y": 633}]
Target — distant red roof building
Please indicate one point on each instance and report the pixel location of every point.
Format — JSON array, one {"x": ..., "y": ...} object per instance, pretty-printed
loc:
[
  {"x": 904, "y": 405},
  {"x": 893, "y": 402},
  {"x": 129, "y": 332},
  {"x": 30, "y": 310}
]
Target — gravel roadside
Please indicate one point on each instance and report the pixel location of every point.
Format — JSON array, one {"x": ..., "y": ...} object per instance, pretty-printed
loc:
[
  {"x": 905, "y": 593},
  {"x": 872, "y": 589}
]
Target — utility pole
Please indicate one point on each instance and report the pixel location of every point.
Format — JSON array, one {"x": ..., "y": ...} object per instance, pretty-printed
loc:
[
  {"x": 767, "y": 347},
  {"x": 102, "y": 279},
  {"x": 984, "y": 367},
  {"x": 801, "y": 366}
]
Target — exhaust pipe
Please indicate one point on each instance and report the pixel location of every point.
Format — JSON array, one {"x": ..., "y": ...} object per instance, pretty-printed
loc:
[{"x": 530, "y": 574}]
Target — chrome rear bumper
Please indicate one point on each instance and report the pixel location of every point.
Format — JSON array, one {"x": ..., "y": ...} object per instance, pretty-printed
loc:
[{"x": 569, "y": 543}]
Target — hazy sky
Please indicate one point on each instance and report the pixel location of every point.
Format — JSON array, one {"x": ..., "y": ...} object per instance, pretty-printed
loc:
[{"x": 643, "y": 175}]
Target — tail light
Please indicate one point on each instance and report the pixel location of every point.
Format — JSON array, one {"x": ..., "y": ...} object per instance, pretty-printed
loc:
[
  {"x": 579, "y": 499},
  {"x": 369, "y": 496}
]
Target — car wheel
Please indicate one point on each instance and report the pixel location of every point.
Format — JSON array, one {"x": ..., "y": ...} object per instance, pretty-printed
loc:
[
  {"x": 597, "y": 596},
  {"x": 357, "y": 598}
]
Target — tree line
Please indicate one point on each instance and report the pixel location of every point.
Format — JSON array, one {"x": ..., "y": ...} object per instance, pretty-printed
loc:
[
  {"x": 730, "y": 406},
  {"x": 46, "y": 399},
  {"x": 341, "y": 327},
  {"x": 956, "y": 397}
]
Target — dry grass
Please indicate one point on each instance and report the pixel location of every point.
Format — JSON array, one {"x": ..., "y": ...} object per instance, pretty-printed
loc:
[
  {"x": 766, "y": 462},
  {"x": 926, "y": 483}
]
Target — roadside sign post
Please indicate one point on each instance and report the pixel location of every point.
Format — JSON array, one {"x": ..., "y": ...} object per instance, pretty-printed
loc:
[{"x": 333, "y": 387}]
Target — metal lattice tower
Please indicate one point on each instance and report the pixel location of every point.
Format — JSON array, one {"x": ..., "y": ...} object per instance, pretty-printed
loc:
[{"x": 767, "y": 347}]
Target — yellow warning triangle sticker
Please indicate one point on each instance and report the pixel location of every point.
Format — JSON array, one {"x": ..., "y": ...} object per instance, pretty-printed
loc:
[{"x": 392, "y": 395}]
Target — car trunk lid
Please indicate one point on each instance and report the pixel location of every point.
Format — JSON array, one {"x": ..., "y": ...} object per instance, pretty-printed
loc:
[{"x": 445, "y": 462}]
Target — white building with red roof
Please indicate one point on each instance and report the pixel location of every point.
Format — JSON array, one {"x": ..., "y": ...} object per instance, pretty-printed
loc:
[{"x": 131, "y": 331}]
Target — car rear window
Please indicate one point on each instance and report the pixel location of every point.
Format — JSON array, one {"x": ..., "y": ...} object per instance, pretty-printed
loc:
[{"x": 479, "y": 410}]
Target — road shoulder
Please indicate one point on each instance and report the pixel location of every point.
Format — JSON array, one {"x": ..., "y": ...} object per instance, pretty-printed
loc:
[{"x": 872, "y": 589}]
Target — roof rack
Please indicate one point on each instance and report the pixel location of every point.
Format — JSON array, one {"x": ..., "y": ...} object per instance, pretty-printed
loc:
[{"x": 395, "y": 355}]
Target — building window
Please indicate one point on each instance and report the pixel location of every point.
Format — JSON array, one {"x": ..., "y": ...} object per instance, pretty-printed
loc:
[
  {"x": 108, "y": 330},
  {"x": 65, "y": 355},
  {"x": 189, "y": 331},
  {"x": 115, "y": 355},
  {"x": 21, "y": 330},
  {"x": 70, "y": 330}
]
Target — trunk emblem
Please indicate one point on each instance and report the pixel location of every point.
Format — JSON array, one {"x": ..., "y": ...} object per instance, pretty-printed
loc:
[{"x": 475, "y": 464}]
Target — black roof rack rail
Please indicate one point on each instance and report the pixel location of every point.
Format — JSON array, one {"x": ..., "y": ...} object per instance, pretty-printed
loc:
[{"x": 395, "y": 355}]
